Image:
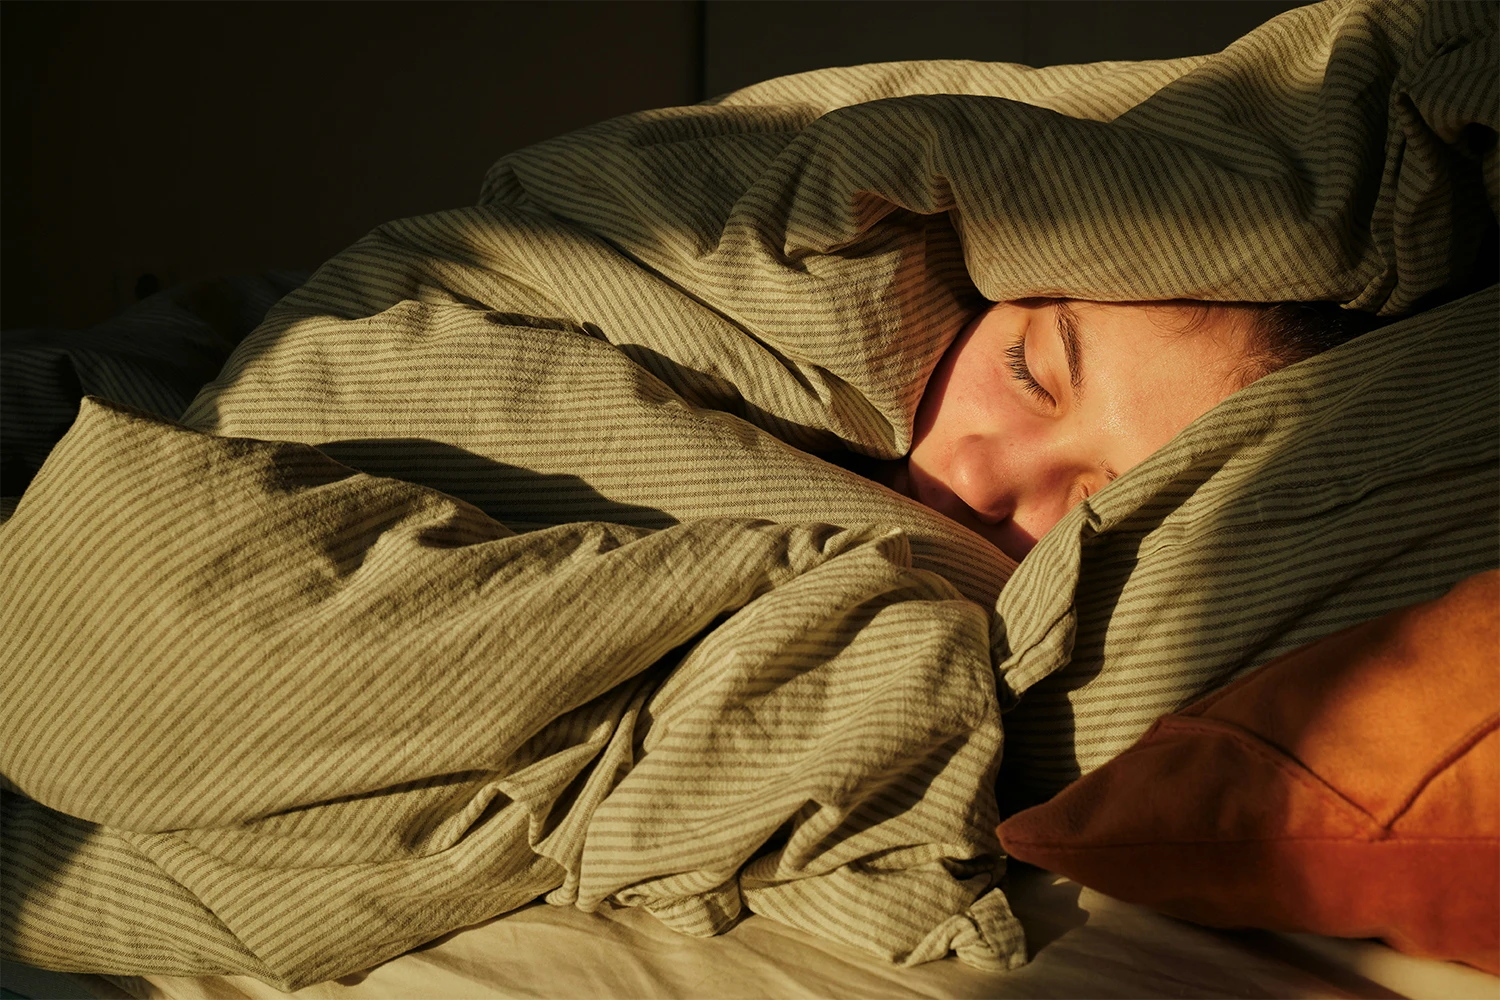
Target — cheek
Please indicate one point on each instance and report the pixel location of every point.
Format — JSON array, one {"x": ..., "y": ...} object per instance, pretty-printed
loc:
[
  {"x": 939, "y": 410},
  {"x": 1136, "y": 412},
  {"x": 966, "y": 390},
  {"x": 1114, "y": 419},
  {"x": 1122, "y": 427}
]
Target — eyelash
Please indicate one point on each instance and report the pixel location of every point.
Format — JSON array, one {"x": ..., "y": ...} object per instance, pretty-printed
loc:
[{"x": 1016, "y": 362}]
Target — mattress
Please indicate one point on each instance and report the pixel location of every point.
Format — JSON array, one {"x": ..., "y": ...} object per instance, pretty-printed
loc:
[{"x": 1084, "y": 944}]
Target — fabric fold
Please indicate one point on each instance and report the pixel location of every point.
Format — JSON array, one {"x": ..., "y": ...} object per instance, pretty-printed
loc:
[{"x": 314, "y": 692}]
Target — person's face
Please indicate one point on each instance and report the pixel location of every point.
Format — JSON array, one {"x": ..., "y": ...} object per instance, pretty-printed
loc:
[{"x": 1040, "y": 403}]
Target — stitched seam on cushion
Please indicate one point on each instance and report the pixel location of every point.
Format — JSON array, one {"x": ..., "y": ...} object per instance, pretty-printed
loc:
[
  {"x": 1288, "y": 765},
  {"x": 1210, "y": 700},
  {"x": 1461, "y": 746}
]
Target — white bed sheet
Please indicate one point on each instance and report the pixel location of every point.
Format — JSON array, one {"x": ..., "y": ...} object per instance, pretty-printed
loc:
[{"x": 1084, "y": 945}]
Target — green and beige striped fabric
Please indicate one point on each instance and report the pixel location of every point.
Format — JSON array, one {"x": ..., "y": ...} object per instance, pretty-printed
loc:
[
  {"x": 316, "y": 718},
  {"x": 592, "y": 620}
]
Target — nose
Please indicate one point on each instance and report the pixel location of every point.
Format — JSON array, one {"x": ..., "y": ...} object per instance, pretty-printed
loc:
[{"x": 1016, "y": 489}]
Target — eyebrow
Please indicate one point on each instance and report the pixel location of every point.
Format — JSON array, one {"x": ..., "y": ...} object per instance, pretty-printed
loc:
[{"x": 1067, "y": 329}]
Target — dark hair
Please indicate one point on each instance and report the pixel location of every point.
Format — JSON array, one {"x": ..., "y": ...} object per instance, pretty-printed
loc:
[{"x": 1284, "y": 333}]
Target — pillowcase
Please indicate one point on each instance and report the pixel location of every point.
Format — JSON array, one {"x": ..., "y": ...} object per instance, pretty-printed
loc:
[{"x": 1350, "y": 787}]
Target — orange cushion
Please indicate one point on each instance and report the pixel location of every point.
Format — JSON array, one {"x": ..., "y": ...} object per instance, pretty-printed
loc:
[{"x": 1350, "y": 787}]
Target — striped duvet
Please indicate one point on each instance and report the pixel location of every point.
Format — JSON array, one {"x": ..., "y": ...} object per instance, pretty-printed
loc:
[{"x": 499, "y": 562}]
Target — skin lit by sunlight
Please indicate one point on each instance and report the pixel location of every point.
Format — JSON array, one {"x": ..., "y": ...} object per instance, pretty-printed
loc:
[{"x": 1041, "y": 403}]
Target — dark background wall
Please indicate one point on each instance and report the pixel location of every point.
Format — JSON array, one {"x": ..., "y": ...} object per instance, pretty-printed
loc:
[
  {"x": 750, "y": 40},
  {"x": 149, "y": 143}
]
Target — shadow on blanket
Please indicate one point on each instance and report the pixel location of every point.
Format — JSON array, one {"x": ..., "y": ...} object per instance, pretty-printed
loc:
[
  {"x": 515, "y": 496},
  {"x": 714, "y": 392}
]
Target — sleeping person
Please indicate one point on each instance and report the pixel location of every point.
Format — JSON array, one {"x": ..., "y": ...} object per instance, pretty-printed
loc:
[{"x": 1041, "y": 402}]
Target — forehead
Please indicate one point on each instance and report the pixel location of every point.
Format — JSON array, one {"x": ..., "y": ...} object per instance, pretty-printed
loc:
[
  {"x": 1154, "y": 368},
  {"x": 1197, "y": 340}
]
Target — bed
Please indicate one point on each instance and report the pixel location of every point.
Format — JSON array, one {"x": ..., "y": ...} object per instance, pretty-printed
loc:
[
  {"x": 1084, "y": 944},
  {"x": 497, "y": 560}
]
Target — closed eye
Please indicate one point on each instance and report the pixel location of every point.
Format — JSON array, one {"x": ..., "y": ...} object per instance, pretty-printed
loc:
[{"x": 1016, "y": 361}]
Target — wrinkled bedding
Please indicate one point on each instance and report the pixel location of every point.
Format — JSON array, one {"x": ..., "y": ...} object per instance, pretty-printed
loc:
[
  {"x": 500, "y": 562},
  {"x": 1083, "y": 944}
]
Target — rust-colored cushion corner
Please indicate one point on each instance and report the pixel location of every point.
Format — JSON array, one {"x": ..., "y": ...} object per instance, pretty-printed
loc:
[{"x": 1350, "y": 787}]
